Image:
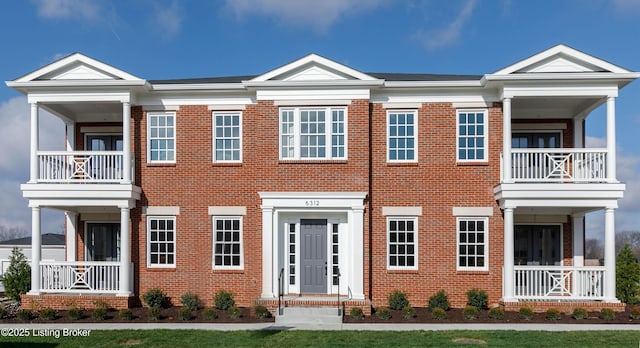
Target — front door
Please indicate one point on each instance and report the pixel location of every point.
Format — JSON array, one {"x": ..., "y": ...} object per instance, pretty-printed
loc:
[
  {"x": 313, "y": 256},
  {"x": 538, "y": 245},
  {"x": 103, "y": 242}
]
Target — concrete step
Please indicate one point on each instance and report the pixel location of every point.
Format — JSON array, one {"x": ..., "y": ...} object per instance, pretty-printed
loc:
[{"x": 309, "y": 315}]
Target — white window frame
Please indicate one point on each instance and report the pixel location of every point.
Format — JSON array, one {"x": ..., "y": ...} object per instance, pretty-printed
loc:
[
  {"x": 414, "y": 219},
  {"x": 215, "y": 138},
  {"x": 175, "y": 232},
  {"x": 485, "y": 244},
  {"x": 214, "y": 219},
  {"x": 485, "y": 136},
  {"x": 328, "y": 133},
  {"x": 414, "y": 112},
  {"x": 150, "y": 115}
]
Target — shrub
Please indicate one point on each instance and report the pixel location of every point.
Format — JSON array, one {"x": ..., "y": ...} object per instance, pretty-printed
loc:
[
  {"x": 496, "y": 313},
  {"x": 439, "y": 300},
  {"x": 24, "y": 314},
  {"x": 153, "y": 313},
  {"x": 47, "y": 314},
  {"x": 99, "y": 314},
  {"x": 184, "y": 313},
  {"x": 525, "y": 313},
  {"x": 3, "y": 312},
  {"x": 224, "y": 300},
  {"x": 262, "y": 312},
  {"x": 17, "y": 278},
  {"x": 125, "y": 314},
  {"x": 101, "y": 304},
  {"x": 607, "y": 314},
  {"x": 357, "y": 313},
  {"x": 234, "y": 312},
  {"x": 553, "y": 314},
  {"x": 209, "y": 313},
  {"x": 397, "y": 300},
  {"x": 438, "y": 313},
  {"x": 75, "y": 313},
  {"x": 477, "y": 298},
  {"x": 627, "y": 275},
  {"x": 155, "y": 298},
  {"x": 408, "y": 312},
  {"x": 635, "y": 313},
  {"x": 470, "y": 312},
  {"x": 190, "y": 301},
  {"x": 383, "y": 313},
  {"x": 579, "y": 313}
]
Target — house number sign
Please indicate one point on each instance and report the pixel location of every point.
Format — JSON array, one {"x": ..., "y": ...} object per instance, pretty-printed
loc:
[{"x": 312, "y": 203}]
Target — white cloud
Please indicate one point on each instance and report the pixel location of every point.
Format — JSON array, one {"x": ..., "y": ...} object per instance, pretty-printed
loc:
[
  {"x": 319, "y": 15},
  {"x": 449, "y": 34},
  {"x": 168, "y": 19},
  {"x": 595, "y": 142},
  {"x": 68, "y": 9}
]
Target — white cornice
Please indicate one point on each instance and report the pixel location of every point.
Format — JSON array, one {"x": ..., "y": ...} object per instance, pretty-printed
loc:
[
  {"x": 563, "y": 76},
  {"x": 197, "y": 86},
  {"x": 432, "y": 84},
  {"x": 311, "y": 84},
  {"x": 75, "y": 83}
]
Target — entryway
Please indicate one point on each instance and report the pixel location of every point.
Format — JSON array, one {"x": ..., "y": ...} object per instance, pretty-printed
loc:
[
  {"x": 313, "y": 256},
  {"x": 102, "y": 241}
]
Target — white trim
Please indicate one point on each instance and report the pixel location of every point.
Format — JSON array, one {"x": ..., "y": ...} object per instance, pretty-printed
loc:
[
  {"x": 485, "y": 113},
  {"x": 312, "y": 94},
  {"x": 175, "y": 131},
  {"x": 415, "y": 135},
  {"x": 486, "y": 243},
  {"x": 472, "y": 211},
  {"x": 227, "y": 107},
  {"x": 402, "y": 211},
  {"x": 227, "y": 210},
  {"x": 316, "y": 60},
  {"x": 539, "y": 126},
  {"x": 214, "y": 137},
  {"x": 311, "y": 102},
  {"x": 399, "y": 105},
  {"x": 472, "y": 105},
  {"x": 160, "y": 108},
  {"x": 415, "y": 243},
  {"x": 148, "y": 242},
  {"x": 161, "y": 210},
  {"x": 241, "y": 241}
]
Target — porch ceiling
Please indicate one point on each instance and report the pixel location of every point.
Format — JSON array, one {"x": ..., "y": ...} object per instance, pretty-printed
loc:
[
  {"x": 553, "y": 107},
  {"x": 87, "y": 111}
]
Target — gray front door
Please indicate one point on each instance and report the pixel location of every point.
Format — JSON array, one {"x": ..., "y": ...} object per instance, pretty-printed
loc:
[{"x": 313, "y": 256}]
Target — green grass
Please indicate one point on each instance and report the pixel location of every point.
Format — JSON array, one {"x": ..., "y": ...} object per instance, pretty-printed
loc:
[{"x": 269, "y": 338}]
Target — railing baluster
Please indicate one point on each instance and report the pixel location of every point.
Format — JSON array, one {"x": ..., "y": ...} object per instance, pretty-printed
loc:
[{"x": 80, "y": 166}]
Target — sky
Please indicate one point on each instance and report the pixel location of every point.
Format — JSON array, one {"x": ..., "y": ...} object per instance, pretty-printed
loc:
[{"x": 165, "y": 39}]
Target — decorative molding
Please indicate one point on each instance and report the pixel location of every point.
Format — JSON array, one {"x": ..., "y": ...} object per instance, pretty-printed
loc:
[
  {"x": 472, "y": 211},
  {"x": 227, "y": 210},
  {"x": 401, "y": 211},
  {"x": 310, "y": 102},
  {"x": 167, "y": 210}
]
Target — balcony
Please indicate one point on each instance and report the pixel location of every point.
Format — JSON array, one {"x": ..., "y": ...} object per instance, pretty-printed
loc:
[
  {"x": 81, "y": 167},
  {"x": 559, "y": 283},
  {"x": 559, "y": 165}
]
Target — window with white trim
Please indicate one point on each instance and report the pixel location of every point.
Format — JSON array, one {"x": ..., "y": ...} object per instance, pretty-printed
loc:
[
  {"x": 161, "y": 140},
  {"x": 472, "y": 135},
  {"x": 402, "y": 243},
  {"x": 472, "y": 243},
  {"x": 227, "y": 242},
  {"x": 402, "y": 136},
  {"x": 313, "y": 133},
  {"x": 227, "y": 137},
  {"x": 161, "y": 241}
]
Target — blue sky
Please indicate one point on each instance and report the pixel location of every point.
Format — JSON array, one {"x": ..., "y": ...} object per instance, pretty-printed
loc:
[{"x": 162, "y": 39}]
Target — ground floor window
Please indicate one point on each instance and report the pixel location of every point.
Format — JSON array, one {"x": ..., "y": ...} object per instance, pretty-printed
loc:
[
  {"x": 227, "y": 235},
  {"x": 472, "y": 243},
  {"x": 401, "y": 243},
  {"x": 161, "y": 239}
]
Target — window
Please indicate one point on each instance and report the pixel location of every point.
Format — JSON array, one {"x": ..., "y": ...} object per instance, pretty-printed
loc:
[
  {"x": 402, "y": 243},
  {"x": 472, "y": 243},
  {"x": 227, "y": 241},
  {"x": 401, "y": 136},
  {"x": 472, "y": 136},
  {"x": 227, "y": 138},
  {"x": 313, "y": 133},
  {"x": 161, "y": 240},
  {"x": 161, "y": 137}
]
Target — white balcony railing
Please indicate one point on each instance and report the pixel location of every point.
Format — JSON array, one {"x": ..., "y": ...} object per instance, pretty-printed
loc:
[
  {"x": 559, "y": 283},
  {"x": 80, "y": 166},
  {"x": 80, "y": 277},
  {"x": 559, "y": 165}
]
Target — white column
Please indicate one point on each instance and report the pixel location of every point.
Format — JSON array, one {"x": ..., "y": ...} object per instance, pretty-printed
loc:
[
  {"x": 275, "y": 253},
  {"x": 506, "y": 140},
  {"x": 36, "y": 243},
  {"x": 71, "y": 135},
  {"x": 578, "y": 132},
  {"x": 126, "y": 142},
  {"x": 71, "y": 220},
  {"x": 609, "y": 255},
  {"x": 508, "y": 293},
  {"x": 267, "y": 253},
  {"x": 611, "y": 139},
  {"x": 578, "y": 239},
  {"x": 355, "y": 264},
  {"x": 33, "y": 173},
  {"x": 125, "y": 254}
]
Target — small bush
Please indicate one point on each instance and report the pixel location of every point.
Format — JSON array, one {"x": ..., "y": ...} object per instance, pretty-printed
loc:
[
  {"x": 190, "y": 301},
  {"x": 397, "y": 300},
  {"x": 155, "y": 298},
  {"x": 3, "y": 312},
  {"x": 234, "y": 312},
  {"x": 635, "y": 313},
  {"x": 24, "y": 314},
  {"x": 607, "y": 314},
  {"x": 553, "y": 314},
  {"x": 477, "y": 298},
  {"x": 470, "y": 312},
  {"x": 383, "y": 313},
  {"x": 579, "y": 313},
  {"x": 209, "y": 313},
  {"x": 438, "y": 314},
  {"x": 47, "y": 314},
  {"x": 184, "y": 313},
  {"x": 408, "y": 312},
  {"x": 439, "y": 300},
  {"x": 525, "y": 313},
  {"x": 496, "y": 313},
  {"x": 101, "y": 304},
  {"x": 153, "y": 313},
  {"x": 17, "y": 279},
  {"x": 99, "y": 314},
  {"x": 262, "y": 312},
  {"x": 357, "y": 313},
  {"x": 224, "y": 300},
  {"x": 125, "y": 314},
  {"x": 75, "y": 313}
]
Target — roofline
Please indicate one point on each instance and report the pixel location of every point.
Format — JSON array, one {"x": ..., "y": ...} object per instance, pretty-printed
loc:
[
  {"x": 75, "y": 83},
  {"x": 564, "y": 76}
]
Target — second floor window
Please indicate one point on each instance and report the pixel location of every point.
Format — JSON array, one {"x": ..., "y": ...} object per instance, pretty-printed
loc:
[
  {"x": 161, "y": 143},
  {"x": 401, "y": 136},
  {"x": 472, "y": 135},
  {"x": 313, "y": 133},
  {"x": 227, "y": 137}
]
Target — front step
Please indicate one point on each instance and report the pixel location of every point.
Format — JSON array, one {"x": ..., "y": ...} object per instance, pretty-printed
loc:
[{"x": 309, "y": 316}]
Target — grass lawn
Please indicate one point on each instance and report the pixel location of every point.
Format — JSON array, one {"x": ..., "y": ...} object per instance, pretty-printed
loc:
[{"x": 282, "y": 339}]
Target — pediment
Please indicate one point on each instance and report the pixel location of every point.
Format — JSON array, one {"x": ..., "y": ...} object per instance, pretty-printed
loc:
[{"x": 313, "y": 68}]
